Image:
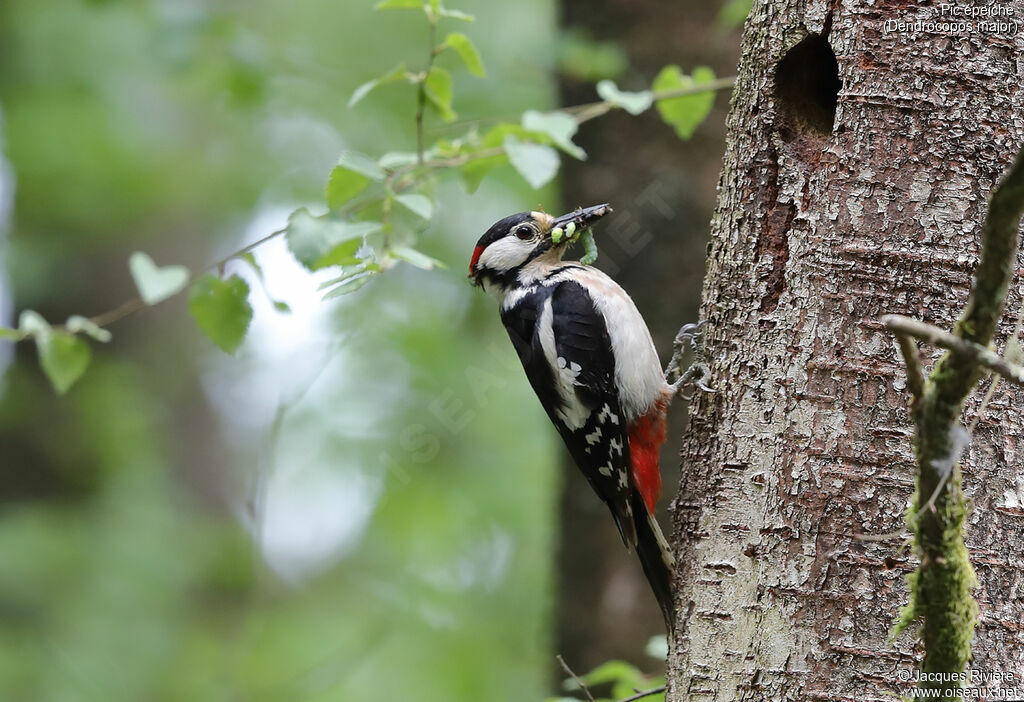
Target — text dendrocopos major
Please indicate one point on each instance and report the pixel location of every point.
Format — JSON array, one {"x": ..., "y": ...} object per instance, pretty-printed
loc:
[{"x": 589, "y": 356}]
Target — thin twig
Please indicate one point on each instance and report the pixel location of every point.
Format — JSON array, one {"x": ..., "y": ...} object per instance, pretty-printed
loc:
[
  {"x": 643, "y": 693},
  {"x": 982, "y": 355},
  {"x": 1011, "y": 353},
  {"x": 567, "y": 669},
  {"x": 421, "y": 92},
  {"x": 915, "y": 377},
  {"x": 600, "y": 107}
]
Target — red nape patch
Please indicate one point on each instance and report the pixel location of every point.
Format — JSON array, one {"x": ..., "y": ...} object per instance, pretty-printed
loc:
[
  {"x": 646, "y": 435},
  {"x": 476, "y": 257}
]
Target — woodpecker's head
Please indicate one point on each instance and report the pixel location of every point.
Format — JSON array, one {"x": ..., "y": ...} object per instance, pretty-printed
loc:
[{"x": 521, "y": 239}]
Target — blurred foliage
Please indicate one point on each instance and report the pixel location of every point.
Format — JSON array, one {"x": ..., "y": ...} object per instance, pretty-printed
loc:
[
  {"x": 369, "y": 230},
  {"x": 733, "y": 14},
  {"x": 359, "y": 503},
  {"x": 138, "y": 561},
  {"x": 584, "y": 59}
]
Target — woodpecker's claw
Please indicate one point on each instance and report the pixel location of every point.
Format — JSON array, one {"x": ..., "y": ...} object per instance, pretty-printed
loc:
[
  {"x": 694, "y": 376},
  {"x": 690, "y": 337}
]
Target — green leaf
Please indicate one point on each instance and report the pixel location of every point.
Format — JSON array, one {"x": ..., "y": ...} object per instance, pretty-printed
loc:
[
  {"x": 350, "y": 285},
  {"x": 344, "y": 254},
  {"x": 343, "y": 185},
  {"x": 77, "y": 323},
  {"x": 63, "y": 358},
  {"x": 393, "y": 76},
  {"x": 156, "y": 284},
  {"x": 281, "y": 306},
  {"x": 416, "y": 258},
  {"x": 311, "y": 238},
  {"x": 473, "y": 172},
  {"x": 420, "y": 205},
  {"x": 633, "y": 103},
  {"x": 537, "y": 164},
  {"x": 623, "y": 677},
  {"x": 559, "y": 126},
  {"x": 361, "y": 164},
  {"x": 347, "y": 272},
  {"x": 685, "y": 113},
  {"x": 438, "y": 86},
  {"x": 495, "y": 136},
  {"x": 221, "y": 309},
  {"x": 464, "y": 47}
]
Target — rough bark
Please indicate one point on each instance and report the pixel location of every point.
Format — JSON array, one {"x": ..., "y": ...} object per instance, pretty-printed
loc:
[{"x": 822, "y": 226}]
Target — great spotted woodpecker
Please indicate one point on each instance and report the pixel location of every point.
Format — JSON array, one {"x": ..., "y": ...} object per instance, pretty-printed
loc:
[{"x": 589, "y": 356}]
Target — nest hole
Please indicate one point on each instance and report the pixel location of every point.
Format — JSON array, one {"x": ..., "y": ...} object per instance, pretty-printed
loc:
[{"x": 807, "y": 85}]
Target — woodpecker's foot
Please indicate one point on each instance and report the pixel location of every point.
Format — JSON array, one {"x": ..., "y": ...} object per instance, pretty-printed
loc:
[
  {"x": 689, "y": 337},
  {"x": 694, "y": 377}
]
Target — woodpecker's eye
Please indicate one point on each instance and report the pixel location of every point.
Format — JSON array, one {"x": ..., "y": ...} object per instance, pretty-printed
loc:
[{"x": 523, "y": 231}]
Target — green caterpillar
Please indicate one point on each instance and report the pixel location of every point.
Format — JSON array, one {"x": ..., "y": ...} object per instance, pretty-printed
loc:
[
  {"x": 589, "y": 248},
  {"x": 572, "y": 235}
]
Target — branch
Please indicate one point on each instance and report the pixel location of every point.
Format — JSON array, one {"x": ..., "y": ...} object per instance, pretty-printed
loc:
[
  {"x": 940, "y": 588},
  {"x": 590, "y": 110},
  {"x": 567, "y": 669},
  {"x": 644, "y": 693},
  {"x": 905, "y": 327},
  {"x": 409, "y": 174},
  {"x": 915, "y": 377}
]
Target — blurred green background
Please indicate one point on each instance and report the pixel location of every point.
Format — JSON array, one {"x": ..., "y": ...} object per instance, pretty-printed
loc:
[{"x": 364, "y": 503}]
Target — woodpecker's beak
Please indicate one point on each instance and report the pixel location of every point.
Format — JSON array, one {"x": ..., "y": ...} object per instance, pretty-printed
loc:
[{"x": 582, "y": 217}]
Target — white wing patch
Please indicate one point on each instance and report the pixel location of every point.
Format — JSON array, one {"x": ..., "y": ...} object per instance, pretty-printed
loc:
[
  {"x": 607, "y": 415},
  {"x": 572, "y": 412},
  {"x": 595, "y": 436}
]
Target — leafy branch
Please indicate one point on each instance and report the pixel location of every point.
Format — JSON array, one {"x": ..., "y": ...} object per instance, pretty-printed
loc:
[
  {"x": 940, "y": 588},
  {"x": 377, "y": 207}
]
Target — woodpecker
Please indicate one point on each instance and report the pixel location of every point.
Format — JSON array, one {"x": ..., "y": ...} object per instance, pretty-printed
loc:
[{"x": 592, "y": 363}]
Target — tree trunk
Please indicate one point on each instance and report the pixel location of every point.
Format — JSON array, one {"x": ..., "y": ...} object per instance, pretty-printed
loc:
[{"x": 854, "y": 184}]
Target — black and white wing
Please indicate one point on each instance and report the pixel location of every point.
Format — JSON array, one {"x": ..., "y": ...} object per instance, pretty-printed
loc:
[{"x": 564, "y": 346}]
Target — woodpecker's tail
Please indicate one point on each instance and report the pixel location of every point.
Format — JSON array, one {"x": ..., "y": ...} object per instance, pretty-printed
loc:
[{"x": 655, "y": 557}]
